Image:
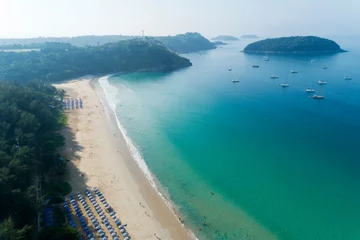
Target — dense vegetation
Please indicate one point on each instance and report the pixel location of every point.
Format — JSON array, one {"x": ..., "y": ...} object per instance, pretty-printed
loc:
[
  {"x": 181, "y": 43},
  {"x": 59, "y": 61},
  {"x": 297, "y": 44},
  {"x": 186, "y": 43},
  {"x": 29, "y": 122},
  {"x": 225, "y": 38}
]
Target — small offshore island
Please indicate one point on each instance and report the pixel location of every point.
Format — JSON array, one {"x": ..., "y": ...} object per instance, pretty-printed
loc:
[
  {"x": 225, "y": 38},
  {"x": 297, "y": 44}
]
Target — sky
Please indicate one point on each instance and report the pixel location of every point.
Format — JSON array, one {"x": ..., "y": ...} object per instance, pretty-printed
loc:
[{"x": 63, "y": 18}]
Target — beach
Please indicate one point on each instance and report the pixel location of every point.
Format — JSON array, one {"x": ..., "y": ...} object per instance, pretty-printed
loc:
[{"x": 99, "y": 157}]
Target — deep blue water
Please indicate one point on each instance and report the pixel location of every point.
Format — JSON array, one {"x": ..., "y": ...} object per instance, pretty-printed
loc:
[{"x": 250, "y": 159}]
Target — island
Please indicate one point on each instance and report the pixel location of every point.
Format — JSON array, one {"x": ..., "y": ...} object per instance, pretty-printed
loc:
[
  {"x": 219, "y": 43},
  {"x": 225, "y": 38},
  {"x": 61, "y": 61},
  {"x": 250, "y": 36},
  {"x": 296, "y": 44},
  {"x": 181, "y": 43}
]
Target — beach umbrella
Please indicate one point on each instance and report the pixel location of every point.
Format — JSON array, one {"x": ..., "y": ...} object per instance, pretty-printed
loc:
[
  {"x": 122, "y": 230},
  {"x": 111, "y": 230},
  {"x": 125, "y": 234},
  {"x": 127, "y": 238},
  {"x": 113, "y": 235},
  {"x": 102, "y": 234}
]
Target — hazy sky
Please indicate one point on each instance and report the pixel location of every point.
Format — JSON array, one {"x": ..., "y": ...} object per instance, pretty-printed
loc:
[{"x": 33, "y": 18}]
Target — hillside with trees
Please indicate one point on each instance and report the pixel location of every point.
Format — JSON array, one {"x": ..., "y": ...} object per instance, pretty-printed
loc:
[
  {"x": 60, "y": 61},
  {"x": 296, "y": 44},
  {"x": 187, "y": 43},
  {"x": 30, "y": 118},
  {"x": 181, "y": 43}
]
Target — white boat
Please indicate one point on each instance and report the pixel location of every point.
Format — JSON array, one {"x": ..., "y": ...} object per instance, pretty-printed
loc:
[
  {"x": 347, "y": 78},
  {"x": 266, "y": 58},
  {"x": 310, "y": 90},
  {"x": 294, "y": 71},
  {"x": 230, "y": 69},
  {"x": 274, "y": 76},
  {"x": 284, "y": 85},
  {"x": 235, "y": 80},
  {"x": 318, "y": 97},
  {"x": 312, "y": 61},
  {"x": 320, "y": 82}
]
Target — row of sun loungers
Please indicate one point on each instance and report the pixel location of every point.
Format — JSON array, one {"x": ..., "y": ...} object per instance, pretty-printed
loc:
[
  {"x": 105, "y": 228},
  {"x": 72, "y": 103}
]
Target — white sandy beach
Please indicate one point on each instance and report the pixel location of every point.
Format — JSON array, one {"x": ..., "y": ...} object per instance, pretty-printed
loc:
[{"x": 98, "y": 150}]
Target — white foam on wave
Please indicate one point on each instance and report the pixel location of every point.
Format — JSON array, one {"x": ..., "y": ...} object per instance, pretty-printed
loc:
[{"x": 110, "y": 93}]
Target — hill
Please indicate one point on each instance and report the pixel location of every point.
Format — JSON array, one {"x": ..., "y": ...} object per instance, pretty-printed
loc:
[
  {"x": 181, "y": 43},
  {"x": 298, "y": 44},
  {"x": 225, "y": 38},
  {"x": 187, "y": 43},
  {"x": 251, "y": 36},
  {"x": 59, "y": 61}
]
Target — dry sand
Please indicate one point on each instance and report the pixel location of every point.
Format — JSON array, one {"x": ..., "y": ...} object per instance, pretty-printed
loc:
[{"x": 100, "y": 157}]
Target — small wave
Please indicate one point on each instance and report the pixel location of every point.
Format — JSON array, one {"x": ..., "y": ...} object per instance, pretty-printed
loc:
[{"x": 110, "y": 95}]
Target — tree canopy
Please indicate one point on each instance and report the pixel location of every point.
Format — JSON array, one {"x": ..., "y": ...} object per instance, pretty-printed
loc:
[
  {"x": 29, "y": 139},
  {"x": 309, "y": 44},
  {"x": 59, "y": 61}
]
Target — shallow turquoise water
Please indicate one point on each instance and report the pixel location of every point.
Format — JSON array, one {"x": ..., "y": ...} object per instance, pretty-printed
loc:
[{"x": 252, "y": 160}]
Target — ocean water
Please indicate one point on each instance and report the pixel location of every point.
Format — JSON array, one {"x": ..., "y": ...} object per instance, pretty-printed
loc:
[{"x": 251, "y": 160}]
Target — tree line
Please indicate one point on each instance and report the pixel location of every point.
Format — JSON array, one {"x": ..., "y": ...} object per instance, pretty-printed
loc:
[{"x": 30, "y": 118}]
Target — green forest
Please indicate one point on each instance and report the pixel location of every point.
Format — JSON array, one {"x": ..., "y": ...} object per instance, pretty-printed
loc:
[
  {"x": 60, "y": 61},
  {"x": 298, "y": 44},
  {"x": 30, "y": 120}
]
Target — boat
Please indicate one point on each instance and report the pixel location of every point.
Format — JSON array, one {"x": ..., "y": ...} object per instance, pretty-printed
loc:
[
  {"x": 312, "y": 61},
  {"x": 294, "y": 71},
  {"x": 235, "y": 80},
  {"x": 284, "y": 85},
  {"x": 324, "y": 67},
  {"x": 230, "y": 69},
  {"x": 266, "y": 58},
  {"x": 274, "y": 76},
  {"x": 318, "y": 97},
  {"x": 255, "y": 66},
  {"x": 347, "y": 78},
  {"x": 320, "y": 82},
  {"x": 310, "y": 90}
]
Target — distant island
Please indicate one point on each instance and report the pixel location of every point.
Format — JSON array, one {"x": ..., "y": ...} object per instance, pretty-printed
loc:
[
  {"x": 219, "y": 43},
  {"x": 181, "y": 43},
  {"x": 61, "y": 61},
  {"x": 251, "y": 36},
  {"x": 298, "y": 44},
  {"x": 225, "y": 38}
]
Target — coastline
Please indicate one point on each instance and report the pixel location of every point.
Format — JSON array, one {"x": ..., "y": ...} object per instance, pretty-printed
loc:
[{"x": 92, "y": 135}]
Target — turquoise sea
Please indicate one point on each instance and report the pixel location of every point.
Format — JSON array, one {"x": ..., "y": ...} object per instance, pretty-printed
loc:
[{"x": 251, "y": 160}]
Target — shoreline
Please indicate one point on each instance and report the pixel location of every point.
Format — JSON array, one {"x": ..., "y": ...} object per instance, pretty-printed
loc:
[{"x": 96, "y": 134}]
